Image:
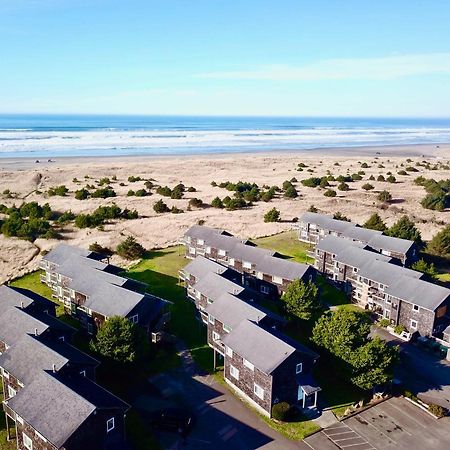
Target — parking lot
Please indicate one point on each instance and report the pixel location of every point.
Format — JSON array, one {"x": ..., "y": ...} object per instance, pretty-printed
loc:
[{"x": 393, "y": 424}]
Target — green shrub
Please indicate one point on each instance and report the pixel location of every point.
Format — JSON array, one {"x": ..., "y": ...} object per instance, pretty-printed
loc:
[
  {"x": 280, "y": 411},
  {"x": 82, "y": 194},
  {"x": 272, "y": 215},
  {"x": 196, "y": 202},
  {"x": 343, "y": 187},
  {"x": 437, "y": 410},
  {"x": 399, "y": 329},
  {"x": 367, "y": 187},
  {"x": 160, "y": 207},
  {"x": 311, "y": 182},
  {"x": 384, "y": 196},
  {"x": 97, "y": 248},
  {"x": 402, "y": 172},
  {"x": 130, "y": 249},
  {"x": 106, "y": 192},
  {"x": 384, "y": 323},
  {"x": 330, "y": 193},
  {"x": 290, "y": 192},
  {"x": 391, "y": 179},
  {"x": 133, "y": 179},
  {"x": 312, "y": 209},
  {"x": 381, "y": 178},
  {"x": 217, "y": 203},
  {"x": 58, "y": 190},
  {"x": 175, "y": 210},
  {"x": 164, "y": 191}
]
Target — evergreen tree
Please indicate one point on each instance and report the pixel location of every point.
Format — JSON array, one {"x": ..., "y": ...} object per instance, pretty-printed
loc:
[
  {"x": 440, "y": 244},
  {"x": 405, "y": 228},
  {"x": 375, "y": 222},
  {"x": 301, "y": 299}
]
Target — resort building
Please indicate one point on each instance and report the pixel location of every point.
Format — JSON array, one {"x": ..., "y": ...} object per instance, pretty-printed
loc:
[
  {"x": 375, "y": 282},
  {"x": 50, "y": 398},
  {"x": 312, "y": 227},
  {"x": 262, "y": 270},
  {"x": 92, "y": 291}
]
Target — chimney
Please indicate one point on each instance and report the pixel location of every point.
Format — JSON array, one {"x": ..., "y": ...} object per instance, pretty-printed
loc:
[
  {"x": 54, "y": 368},
  {"x": 21, "y": 305},
  {"x": 35, "y": 331}
]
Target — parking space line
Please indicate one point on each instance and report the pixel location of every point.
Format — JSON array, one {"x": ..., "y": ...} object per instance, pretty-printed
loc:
[
  {"x": 408, "y": 415},
  {"x": 378, "y": 429}
]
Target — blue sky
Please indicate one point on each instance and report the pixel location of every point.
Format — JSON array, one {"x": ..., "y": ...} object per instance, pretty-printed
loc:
[{"x": 226, "y": 57}]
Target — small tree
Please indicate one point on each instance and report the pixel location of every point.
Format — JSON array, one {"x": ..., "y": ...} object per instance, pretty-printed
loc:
[
  {"x": 405, "y": 228},
  {"x": 97, "y": 248},
  {"x": 217, "y": 203},
  {"x": 330, "y": 193},
  {"x": 290, "y": 192},
  {"x": 384, "y": 196},
  {"x": 273, "y": 215},
  {"x": 426, "y": 268},
  {"x": 120, "y": 340},
  {"x": 343, "y": 187},
  {"x": 367, "y": 186},
  {"x": 440, "y": 244},
  {"x": 130, "y": 249},
  {"x": 160, "y": 207},
  {"x": 301, "y": 299},
  {"x": 375, "y": 222}
]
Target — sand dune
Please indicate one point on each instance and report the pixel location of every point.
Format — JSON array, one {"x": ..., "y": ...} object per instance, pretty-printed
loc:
[{"x": 24, "y": 177}]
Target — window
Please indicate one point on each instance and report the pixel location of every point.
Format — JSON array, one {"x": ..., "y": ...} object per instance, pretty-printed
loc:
[
  {"x": 61, "y": 338},
  {"x": 211, "y": 319},
  {"x": 387, "y": 314},
  {"x": 135, "y": 318},
  {"x": 277, "y": 280},
  {"x": 259, "y": 275},
  {"x": 5, "y": 374},
  {"x": 299, "y": 368},
  {"x": 83, "y": 373},
  {"x": 198, "y": 294},
  {"x": 416, "y": 307},
  {"x": 229, "y": 352},
  {"x": 192, "y": 250},
  {"x": 259, "y": 391},
  {"x": 226, "y": 328},
  {"x": 414, "y": 324},
  {"x": 216, "y": 336},
  {"x": 200, "y": 241},
  {"x": 208, "y": 250},
  {"x": 231, "y": 261},
  {"x": 27, "y": 442},
  {"x": 264, "y": 289},
  {"x": 355, "y": 269},
  {"x": 249, "y": 365},
  {"x": 246, "y": 265},
  {"x": 234, "y": 372},
  {"x": 110, "y": 425},
  {"x": 222, "y": 252},
  {"x": 11, "y": 392},
  {"x": 388, "y": 300}
]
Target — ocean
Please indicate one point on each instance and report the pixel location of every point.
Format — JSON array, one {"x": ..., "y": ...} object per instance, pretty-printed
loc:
[{"x": 48, "y": 136}]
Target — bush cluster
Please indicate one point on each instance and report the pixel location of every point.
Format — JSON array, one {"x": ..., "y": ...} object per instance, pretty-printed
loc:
[{"x": 102, "y": 214}]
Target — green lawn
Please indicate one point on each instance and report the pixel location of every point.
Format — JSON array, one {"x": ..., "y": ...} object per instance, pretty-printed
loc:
[
  {"x": 286, "y": 244},
  {"x": 159, "y": 269}
]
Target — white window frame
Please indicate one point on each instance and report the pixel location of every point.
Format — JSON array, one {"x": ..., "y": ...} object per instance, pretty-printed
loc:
[
  {"x": 234, "y": 372},
  {"x": 215, "y": 336},
  {"x": 200, "y": 241},
  {"x": 221, "y": 252},
  {"x": 229, "y": 352},
  {"x": 246, "y": 265},
  {"x": 27, "y": 442},
  {"x": 11, "y": 392},
  {"x": 416, "y": 308},
  {"x": 226, "y": 328},
  {"x": 277, "y": 280},
  {"x": 83, "y": 373},
  {"x": 412, "y": 326},
  {"x": 248, "y": 364},
  {"x": 208, "y": 249},
  {"x": 299, "y": 368},
  {"x": 108, "y": 426},
  {"x": 191, "y": 250},
  {"x": 231, "y": 261},
  {"x": 211, "y": 319},
  {"x": 265, "y": 289},
  {"x": 258, "y": 391},
  {"x": 134, "y": 319}
]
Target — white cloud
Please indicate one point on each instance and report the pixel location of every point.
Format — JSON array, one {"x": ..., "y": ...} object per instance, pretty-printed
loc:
[{"x": 385, "y": 68}]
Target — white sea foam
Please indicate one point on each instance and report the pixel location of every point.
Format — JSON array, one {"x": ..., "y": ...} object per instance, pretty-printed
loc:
[{"x": 71, "y": 142}]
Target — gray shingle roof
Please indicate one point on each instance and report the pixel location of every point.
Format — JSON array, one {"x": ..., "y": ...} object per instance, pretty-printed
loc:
[
  {"x": 360, "y": 234},
  {"x": 51, "y": 408},
  {"x": 357, "y": 257},
  {"x": 30, "y": 355},
  {"x": 264, "y": 350},
  {"x": 249, "y": 253},
  {"x": 386, "y": 273},
  {"x": 214, "y": 237},
  {"x": 419, "y": 292},
  {"x": 72, "y": 402},
  {"x": 63, "y": 252},
  {"x": 213, "y": 286},
  {"x": 231, "y": 310},
  {"x": 389, "y": 243},
  {"x": 10, "y": 298},
  {"x": 15, "y": 322},
  {"x": 335, "y": 244},
  {"x": 278, "y": 267},
  {"x": 200, "y": 266},
  {"x": 325, "y": 221},
  {"x": 202, "y": 232}
]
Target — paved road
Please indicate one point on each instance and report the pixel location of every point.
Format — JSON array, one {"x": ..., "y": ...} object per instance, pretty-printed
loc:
[
  {"x": 394, "y": 424},
  {"x": 223, "y": 422},
  {"x": 421, "y": 371}
]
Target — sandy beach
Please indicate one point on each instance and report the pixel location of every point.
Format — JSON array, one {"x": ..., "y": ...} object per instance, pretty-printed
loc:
[{"x": 29, "y": 181}]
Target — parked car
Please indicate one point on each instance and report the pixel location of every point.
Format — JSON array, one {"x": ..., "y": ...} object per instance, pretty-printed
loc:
[{"x": 174, "y": 419}]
